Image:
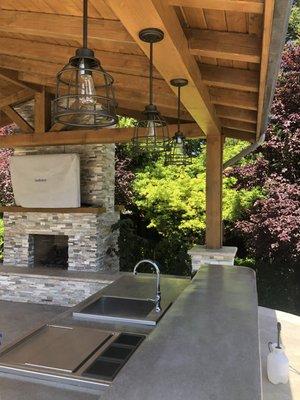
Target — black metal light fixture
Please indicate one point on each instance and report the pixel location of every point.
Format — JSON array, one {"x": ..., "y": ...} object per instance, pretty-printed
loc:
[
  {"x": 177, "y": 153},
  {"x": 150, "y": 134},
  {"x": 84, "y": 90}
]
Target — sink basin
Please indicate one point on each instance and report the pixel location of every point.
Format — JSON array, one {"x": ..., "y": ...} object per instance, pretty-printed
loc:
[{"x": 120, "y": 309}]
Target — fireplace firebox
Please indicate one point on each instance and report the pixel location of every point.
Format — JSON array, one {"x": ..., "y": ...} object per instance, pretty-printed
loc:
[{"x": 50, "y": 251}]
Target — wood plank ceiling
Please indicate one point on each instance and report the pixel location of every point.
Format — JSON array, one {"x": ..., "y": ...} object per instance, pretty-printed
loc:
[{"x": 223, "y": 58}]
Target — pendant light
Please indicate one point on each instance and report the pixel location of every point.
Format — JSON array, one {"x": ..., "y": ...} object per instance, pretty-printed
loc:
[
  {"x": 151, "y": 133},
  {"x": 177, "y": 153},
  {"x": 84, "y": 90}
]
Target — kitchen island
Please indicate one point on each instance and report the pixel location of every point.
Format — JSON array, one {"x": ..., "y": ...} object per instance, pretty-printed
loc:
[{"x": 204, "y": 347}]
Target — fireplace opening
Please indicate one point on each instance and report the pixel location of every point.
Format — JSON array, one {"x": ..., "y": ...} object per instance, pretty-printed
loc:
[{"x": 50, "y": 251}]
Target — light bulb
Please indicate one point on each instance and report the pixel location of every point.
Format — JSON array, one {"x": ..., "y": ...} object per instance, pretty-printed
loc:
[
  {"x": 86, "y": 86},
  {"x": 151, "y": 128}
]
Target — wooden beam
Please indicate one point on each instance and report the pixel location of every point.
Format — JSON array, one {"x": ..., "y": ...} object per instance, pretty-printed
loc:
[
  {"x": 17, "y": 97},
  {"x": 244, "y": 6},
  {"x": 214, "y": 175},
  {"x": 4, "y": 120},
  {"x": 241, "y": 125},
  {"x": 73, "y": 210},
  {"x": 234, "y": 98},
  {"x": 12, "y": 77},
  {"x": 230, "y": 78},
  {"x": 236, "y": 113},
  {"x": 17, "y": 119},
  {"x": 172, "y": 57},
  {"x": 225, "y": 45},
  {"x": 102, "y": 136},
  {"x": 267, "y": 33},
  {"x": 42, "y": 112},
  {"x": 238, "y": 134}
]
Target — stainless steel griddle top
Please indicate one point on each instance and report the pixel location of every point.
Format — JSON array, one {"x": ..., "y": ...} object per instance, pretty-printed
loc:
[{"x": 59, "y": 348}]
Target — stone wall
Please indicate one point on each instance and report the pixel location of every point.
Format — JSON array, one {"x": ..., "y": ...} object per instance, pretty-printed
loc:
[
  {"x": 47, "y": 290},
  {"x": 91, "y": 243}
]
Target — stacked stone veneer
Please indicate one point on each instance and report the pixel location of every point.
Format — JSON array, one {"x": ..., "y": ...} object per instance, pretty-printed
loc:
[
  {"x": 47, "y": 290},
  {"x": 92, "y": 245}
]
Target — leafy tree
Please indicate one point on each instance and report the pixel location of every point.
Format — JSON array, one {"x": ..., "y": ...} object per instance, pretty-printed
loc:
[{"x": 293, "y": 33}]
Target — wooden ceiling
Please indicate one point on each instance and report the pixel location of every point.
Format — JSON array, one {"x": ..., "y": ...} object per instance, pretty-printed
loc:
[{"x": 220, "y": 46}]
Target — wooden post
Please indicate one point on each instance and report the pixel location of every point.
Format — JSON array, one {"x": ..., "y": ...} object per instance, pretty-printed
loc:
[
  {"x": 42, "y": 111},
  {"x": 214, "y": 161}
]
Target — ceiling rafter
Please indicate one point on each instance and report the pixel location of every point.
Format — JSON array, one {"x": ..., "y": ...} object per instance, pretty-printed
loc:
[
  {"x": 225, "y": 45},
  {"x": 172, "y": 57},
  {"x": 17, "y": 119},
  {"x": 17, "y": 97},
  {"x": 230, "y": 78},
  {"x": 12, "y": 77}
]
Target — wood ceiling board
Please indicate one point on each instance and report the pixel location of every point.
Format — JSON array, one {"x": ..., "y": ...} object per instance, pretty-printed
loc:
[
  {"x": 235, "y": 113},
  {"x": 234, "y": 98},
  {"x": 243, "y": 126},
  {"x": 225, "y": 45},
  {"x": 194, "y": 18},
  {"x": 97, "y": 8},
  {"x": 251, "y": 6},
  {"x": 238, "y": 134},
  {"x": 172, "y": 57},
  {"x": 61, "y": 26},
  {"x": 132, "y": 64},
  {"x": 230, "y": 78},
  {"x": 120, "y": 80}
]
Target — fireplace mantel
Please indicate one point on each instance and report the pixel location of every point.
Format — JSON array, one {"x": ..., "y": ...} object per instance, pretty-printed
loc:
[{"x": 79, "y": 210}]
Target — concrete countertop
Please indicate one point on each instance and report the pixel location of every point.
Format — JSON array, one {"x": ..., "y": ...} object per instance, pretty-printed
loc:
[{"x": 205, "y": 348}]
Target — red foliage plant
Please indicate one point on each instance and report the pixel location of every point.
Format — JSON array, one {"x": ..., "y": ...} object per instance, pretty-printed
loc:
[
  {"x": 6, "y": 193},
  {"x": 272, "y": 227}
]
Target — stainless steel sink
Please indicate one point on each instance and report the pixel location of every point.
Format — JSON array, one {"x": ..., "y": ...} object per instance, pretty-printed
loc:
[{"x": 121, "y": 309}]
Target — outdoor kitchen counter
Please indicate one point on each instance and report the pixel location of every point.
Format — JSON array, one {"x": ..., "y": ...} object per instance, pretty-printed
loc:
[{"x": 205, "y": 348}]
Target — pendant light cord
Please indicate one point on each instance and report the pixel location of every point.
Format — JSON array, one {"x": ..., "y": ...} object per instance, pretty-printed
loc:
[
  {"x": 85, "y": 23},
  {"x": 178, "y": 109},
  {"x": 151, "y": 75}
]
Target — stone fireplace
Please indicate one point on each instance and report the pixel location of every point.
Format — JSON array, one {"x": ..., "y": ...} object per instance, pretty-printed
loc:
[{"x": 75, "y": 239}]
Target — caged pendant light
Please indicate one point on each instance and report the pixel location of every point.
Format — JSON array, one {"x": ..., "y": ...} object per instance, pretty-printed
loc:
[
  {"x": 150, "y": 134},
  {"x": 84, "y": 90},
  {"x": 178, "y": 153}
]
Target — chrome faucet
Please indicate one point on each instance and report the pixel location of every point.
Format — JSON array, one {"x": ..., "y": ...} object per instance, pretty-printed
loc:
[{"x": 157, "y": 299}]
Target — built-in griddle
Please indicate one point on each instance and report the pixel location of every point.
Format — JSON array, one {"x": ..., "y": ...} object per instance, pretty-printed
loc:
[{"x": 60, "y": 348}]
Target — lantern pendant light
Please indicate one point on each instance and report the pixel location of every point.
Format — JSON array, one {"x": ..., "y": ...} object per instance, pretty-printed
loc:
[
  {"x": 177, "y": 153},
  {"x": 84, "y": 90},
  {"x": 150, "y": 134}
]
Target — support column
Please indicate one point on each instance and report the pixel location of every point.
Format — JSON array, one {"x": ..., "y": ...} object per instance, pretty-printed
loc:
[
  {"x": 214, "y": 172},
  {"x": 42, "y": 111}
]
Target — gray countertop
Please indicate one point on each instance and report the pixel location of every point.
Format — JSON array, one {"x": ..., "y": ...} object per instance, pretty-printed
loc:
[{"x": 205, "y": 348}]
